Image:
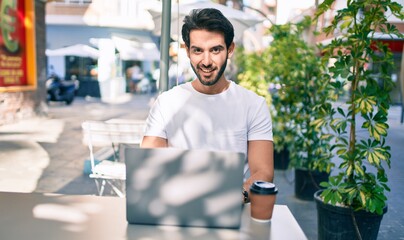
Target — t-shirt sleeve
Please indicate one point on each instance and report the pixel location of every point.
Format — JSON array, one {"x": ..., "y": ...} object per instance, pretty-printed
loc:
[
  {"x": 155, "y": 123},
  {"x": 260, "y": 127}
]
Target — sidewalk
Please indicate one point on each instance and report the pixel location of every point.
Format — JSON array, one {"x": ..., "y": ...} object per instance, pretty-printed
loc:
[{"x": 47, "y": 155}]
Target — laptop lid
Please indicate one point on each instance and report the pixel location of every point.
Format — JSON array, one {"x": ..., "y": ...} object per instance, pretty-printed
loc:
[{"x": 198, "y": 188}]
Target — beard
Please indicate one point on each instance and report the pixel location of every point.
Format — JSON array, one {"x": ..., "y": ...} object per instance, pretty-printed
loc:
[{"x": 215, "y": 80}]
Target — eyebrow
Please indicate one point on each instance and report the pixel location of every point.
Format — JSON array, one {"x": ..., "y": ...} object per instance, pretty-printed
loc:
[{"x": 217, "y": 46}]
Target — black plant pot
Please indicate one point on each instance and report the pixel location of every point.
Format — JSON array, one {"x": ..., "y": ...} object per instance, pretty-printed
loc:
[
  {"x": 336, "y": 223},
  {"x": 308, "y": 182},
  {"x": 281, "y": 159}
]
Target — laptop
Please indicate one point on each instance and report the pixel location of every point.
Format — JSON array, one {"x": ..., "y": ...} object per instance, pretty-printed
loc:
[{"x": 187, "y": 188}]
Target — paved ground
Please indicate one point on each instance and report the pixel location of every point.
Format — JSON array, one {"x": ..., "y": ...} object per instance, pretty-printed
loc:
[{"x": 47, "y": 155}]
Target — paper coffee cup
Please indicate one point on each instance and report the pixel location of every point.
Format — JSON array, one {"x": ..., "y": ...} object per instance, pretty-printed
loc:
[{"x": 262, "y": 197}]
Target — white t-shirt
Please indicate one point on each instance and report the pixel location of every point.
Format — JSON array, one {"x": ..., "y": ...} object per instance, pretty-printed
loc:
[{"x": 189, "y": 119}]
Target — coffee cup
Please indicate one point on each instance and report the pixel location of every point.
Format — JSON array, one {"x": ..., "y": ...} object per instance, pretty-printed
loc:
[{"x": 262, "y": 197}]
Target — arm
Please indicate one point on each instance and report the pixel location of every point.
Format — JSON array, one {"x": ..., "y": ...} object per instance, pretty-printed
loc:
[
  {"x": 153, "y": 142},
  {"x": 260, "y": 162}
]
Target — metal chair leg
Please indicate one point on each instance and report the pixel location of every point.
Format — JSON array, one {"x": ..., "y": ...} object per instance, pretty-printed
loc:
[
  {"x": 97, "y": 184},
  {"x": 100, "y": 188},
  {"x": 116, "y": 190}
]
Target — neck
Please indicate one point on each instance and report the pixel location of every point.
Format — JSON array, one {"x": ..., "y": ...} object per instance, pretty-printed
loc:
[{"x": 221, "y": 86}]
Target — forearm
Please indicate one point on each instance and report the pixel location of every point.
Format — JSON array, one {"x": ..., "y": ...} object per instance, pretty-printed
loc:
[{"x": 260, "y": 161}]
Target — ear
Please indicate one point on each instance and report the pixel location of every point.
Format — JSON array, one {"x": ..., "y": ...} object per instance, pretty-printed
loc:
[{"x": 230, "y": 51}]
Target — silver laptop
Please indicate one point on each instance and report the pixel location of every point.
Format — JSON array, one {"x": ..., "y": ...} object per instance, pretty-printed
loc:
[{"x": 191, "y": 188}]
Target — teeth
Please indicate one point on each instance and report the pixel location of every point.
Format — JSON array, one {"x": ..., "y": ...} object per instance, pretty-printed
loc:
[{"x": 206, "y": 70}]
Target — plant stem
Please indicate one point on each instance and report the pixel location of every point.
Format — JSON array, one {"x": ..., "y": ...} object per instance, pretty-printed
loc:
[
  {"x": 356, "y": 74},
  {"x": 355, "y": 82},
  {"x": 352, "y": 135}
]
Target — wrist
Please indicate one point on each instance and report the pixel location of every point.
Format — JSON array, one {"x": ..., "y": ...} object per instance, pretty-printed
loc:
[{"x": 246, "y": 198}]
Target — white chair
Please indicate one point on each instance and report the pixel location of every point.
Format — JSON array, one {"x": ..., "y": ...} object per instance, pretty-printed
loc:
[{"x": 110, "y": 134}]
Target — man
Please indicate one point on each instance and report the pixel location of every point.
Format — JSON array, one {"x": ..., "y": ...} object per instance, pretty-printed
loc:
[
  {"x": 136, "y": 75},
  {"x": 212, "y": 112}
]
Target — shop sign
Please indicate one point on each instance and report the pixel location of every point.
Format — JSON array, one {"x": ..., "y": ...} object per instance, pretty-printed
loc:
[{"x": 17, "y": 45}]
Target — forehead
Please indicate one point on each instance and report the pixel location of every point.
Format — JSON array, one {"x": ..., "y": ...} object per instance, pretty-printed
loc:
[{"x": 205, "y": 39}]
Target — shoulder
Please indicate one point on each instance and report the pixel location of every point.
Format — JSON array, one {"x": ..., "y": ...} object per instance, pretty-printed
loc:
[
  {"x": 246, "y": 94},
  {"x": 179, "y": 89},
  {"x": 176, "y": 93}
]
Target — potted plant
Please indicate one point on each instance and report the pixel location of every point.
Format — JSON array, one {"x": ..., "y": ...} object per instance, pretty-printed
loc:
[
  {"x": 292, "y": 72},
  {"x": 295, "y": 66},
  {"x": 355, "y": 195},
  {"x": 252, "y": 74}
]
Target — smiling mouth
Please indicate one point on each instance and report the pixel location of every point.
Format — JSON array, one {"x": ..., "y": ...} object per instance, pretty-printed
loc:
[{"x": 207, "y": 71}]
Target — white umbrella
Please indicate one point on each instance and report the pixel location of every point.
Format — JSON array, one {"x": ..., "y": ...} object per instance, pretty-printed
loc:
[
  {"x": 240, "y": 20},
  {"x": 79, "y": 50},
  {"x": 132, "y": 50}
]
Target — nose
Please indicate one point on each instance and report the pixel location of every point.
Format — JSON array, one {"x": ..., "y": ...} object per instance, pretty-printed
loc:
[{"x": 206, "y": 60}]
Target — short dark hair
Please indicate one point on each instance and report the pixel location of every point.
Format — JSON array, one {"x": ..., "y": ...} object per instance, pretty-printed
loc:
[{"x": 209, "y": 19}]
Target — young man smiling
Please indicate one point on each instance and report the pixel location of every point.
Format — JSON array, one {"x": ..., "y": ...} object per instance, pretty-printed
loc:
[{"x": 212, "y": 112}]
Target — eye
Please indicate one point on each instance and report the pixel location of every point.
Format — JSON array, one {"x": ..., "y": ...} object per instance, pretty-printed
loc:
[
  {"x": 196, "y": 50},
  {"x": 216, "y": 50}
]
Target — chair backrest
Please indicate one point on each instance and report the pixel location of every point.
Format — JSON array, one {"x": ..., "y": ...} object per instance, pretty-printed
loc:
[
  {"x": 100, "y": 133},
  {"x": 109, "y": 133}
]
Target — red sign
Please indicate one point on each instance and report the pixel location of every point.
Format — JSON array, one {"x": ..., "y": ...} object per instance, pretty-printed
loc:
[
  {"x": 15, "y": 52},
  {"x": 396, "y": 46}
]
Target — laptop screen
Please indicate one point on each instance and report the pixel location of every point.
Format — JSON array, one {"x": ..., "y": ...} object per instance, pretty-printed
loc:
[{"x": 199, "y": 188}]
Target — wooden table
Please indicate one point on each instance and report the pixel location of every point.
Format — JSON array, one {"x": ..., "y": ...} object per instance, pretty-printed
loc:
[{"x": 51, "y": 216}]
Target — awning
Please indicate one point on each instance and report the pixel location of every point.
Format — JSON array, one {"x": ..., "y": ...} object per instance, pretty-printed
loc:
[
  {"x": 394, "y": 42},
  {"x": 79, "y": 50},
  {"x": 133, "y": 50}
]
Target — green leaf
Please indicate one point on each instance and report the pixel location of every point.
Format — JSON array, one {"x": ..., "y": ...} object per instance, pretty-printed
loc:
[
  {"x": 377, "y": 130},
  {"x": 349, "y": 170},
  {"x": 358, "y": 168},
  {"x": 341, "y": 111},
  {"x": 341, "y": 151},
  {"x": 366, "y": 104},
  {"x": 376, "y": 155},
  {"x": 347, "y": 21}
]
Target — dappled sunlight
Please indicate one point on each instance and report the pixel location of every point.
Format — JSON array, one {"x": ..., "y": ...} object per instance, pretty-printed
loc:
[
  {"x": 61, "y": 213},
  {"x": 22, "y": 158},
  {"x": 144, "y": 176},
  {"x": 74, "y": 216},
  {"x": 229, "y": 133},
  {"x": 18, "y": 172},
  {"x": 35, "y": 129},
  {"x": 222, "y": 202},
  {"x": 202, "y": 160},
  {"x": 177, "y": 187},
  {"x": 184, "y": 188}
]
